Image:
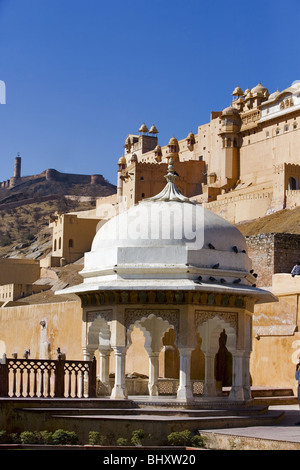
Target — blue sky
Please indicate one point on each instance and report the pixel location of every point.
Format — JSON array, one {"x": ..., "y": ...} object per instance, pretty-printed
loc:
[{"x": 80, "y": 75}]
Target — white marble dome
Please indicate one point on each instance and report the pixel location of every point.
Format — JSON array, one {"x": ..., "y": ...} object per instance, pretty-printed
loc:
[
  {"x": 167, "y": 241},
  {"x": 162, "y": 237}
]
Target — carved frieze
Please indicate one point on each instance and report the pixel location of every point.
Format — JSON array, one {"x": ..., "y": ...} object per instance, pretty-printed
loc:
[
  {"x": 105, "y": 314},
  {"x": 169, "y": 315},
  {"x": 161, "y": 297},
  {"x": 203, "y": 316}
]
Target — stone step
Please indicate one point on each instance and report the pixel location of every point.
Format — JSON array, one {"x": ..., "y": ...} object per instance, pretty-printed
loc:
[
  {"x": 147, "y": 411},
  {"x": 80, "y": 403},
  {"x": 206, "y": 422},
  {"x": 119, "y": 421},
  {"x": 272, "y": 401},
  {"x": 265, "y": 392},
  {"x": 271, "y": 392}
]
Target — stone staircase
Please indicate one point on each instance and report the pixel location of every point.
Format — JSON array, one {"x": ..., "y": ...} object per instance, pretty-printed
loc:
[
  {"x": 273, "y": 396},
  {"x": 121, "y": 418},
  {"x": 158, "y": 416}
]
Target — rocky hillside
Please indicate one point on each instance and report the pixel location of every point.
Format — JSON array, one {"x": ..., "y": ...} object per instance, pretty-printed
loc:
[
  {"x": 22, "y": 226},
  {"x": 40, "y": 187},
  {"x": 284, "y": 221},
  {"x": 25, "y": 209}
]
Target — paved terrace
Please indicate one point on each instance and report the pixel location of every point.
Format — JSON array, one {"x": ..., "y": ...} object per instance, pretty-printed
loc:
[{"x": 284, "y": 435}]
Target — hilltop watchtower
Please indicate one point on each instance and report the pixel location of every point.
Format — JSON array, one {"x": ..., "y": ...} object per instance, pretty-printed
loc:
[{"x": 17, "y": 172}]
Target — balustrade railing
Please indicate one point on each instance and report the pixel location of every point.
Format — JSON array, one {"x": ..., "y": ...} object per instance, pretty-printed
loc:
[{"x": 39, "y": 378}]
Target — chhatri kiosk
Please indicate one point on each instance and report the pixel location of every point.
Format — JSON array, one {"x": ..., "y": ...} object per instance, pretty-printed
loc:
[{"x": 169, "y": 264}]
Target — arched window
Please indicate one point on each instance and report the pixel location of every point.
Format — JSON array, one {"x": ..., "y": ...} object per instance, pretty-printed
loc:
[
  {"x": 59, "y": 243},
  {"x": 55, "y": 245},
  {"x": 71, "y": 243},
  {"x": 293, "y": 183}
]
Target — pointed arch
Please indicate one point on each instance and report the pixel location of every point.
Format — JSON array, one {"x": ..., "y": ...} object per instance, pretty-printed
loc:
[
  {"x": 99, "y": 334},
  {"x": 210, "y": 331},
  {"x": 153, "y": 328}
]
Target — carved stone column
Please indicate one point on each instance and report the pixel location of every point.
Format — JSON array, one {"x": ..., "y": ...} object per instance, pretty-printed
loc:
[
  {"x": 184, "y": 391},
  {"x": 153, "y": 373},
  {"x": 104, "y": 371},
  {"x": 88, "y": 353},
  {"x": 210, "y": 388},
  {"x": 119, "y": 391},
  {"x": 237, "y": 389}
]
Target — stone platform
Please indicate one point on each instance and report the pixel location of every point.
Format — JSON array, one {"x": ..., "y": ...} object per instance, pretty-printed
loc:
[{"x": 158, "y": 416}]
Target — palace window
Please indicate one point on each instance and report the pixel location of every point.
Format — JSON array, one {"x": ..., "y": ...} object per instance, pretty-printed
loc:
[{"x": 293, "y": 183}]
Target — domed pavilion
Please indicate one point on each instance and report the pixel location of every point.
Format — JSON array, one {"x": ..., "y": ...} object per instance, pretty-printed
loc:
[{"x": 169, "y": 265}]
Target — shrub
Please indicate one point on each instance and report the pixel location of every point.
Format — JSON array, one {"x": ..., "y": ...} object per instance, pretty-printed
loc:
[
  {"x": 93, "y": 438},
  {"x": 96, "y": 439},
  {"x": 122, "y": 441},
  {"x": 30, "y": 437},
  {"x": 137, "y": 437},
  {"x": 198, "y": 441},
  {"x": 180, "y": 438},
  {"x": 62, "y": 437},
  {"x": 185, "y": 438},
  {"x": 46, "y": 437}
]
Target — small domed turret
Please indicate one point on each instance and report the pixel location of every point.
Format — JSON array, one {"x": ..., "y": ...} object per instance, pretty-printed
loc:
[
  {"x": 153, "y": 130},
  {"x": 143, "y": 129},
  {"x": 158, "y": 153},
  {"x": 173, "y": 149},
  {"x": 190, "y": 140},
  {"x": 237, "y": 92},
  {"x": 122, "y": 162},
  {"x": 260, "y": 90},
  {"x": 230, "y": 111}
]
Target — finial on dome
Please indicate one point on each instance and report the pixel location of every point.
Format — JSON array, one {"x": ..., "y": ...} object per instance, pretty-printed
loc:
[
  {"x": 170, "y": 191},
  {"x": 171, "y": 175}
]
